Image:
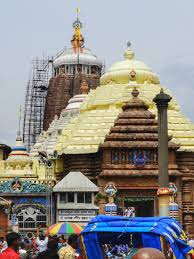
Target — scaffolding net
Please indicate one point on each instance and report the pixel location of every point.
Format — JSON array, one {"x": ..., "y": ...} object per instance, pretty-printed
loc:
[{"x": 35, "y": 100}]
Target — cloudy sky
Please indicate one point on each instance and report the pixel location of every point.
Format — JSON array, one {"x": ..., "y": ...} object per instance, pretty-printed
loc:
[{"x": 161, "y": 32}]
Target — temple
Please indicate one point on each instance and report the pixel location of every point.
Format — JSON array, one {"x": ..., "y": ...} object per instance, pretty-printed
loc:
[
  {"x": 108, "y": 136},
  {"x": 71, "y": 67},
  {"x": 112, "y": 138}
]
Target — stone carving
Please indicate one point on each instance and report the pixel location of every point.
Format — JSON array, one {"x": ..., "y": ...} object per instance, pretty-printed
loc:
[
  {"x": 111, "y": 191},
  {"x": 173, "y": 187},
  {"x": 18, "y": 186}
]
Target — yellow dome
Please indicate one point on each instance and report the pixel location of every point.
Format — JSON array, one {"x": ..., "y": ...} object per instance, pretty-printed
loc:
[
  {"x": 98, "y": 112},
  {"x": 129, "y": 69}
]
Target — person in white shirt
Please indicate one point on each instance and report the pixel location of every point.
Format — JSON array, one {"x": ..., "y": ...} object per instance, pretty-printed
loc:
[
  {"x": 42, "y": 241},
  {"x": 22, "y": 251},
  {"x": 3, "y": 244}
]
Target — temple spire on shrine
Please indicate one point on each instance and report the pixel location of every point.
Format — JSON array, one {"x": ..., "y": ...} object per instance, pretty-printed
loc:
[
  {"x": 77, "y": 40},
  {"x": 19, "y": 125},
  {"x": 128, "y": 53}
]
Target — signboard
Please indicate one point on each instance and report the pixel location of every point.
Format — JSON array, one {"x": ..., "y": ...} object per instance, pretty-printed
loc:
[
  {"x": 75, "y": 212},
  {"x": 76, "y": 215}
]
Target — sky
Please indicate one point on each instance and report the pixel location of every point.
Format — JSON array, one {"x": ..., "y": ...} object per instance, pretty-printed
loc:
[{"x": 161, "y": 33}]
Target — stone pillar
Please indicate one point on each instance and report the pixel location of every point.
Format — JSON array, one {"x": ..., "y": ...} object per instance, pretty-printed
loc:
[{"x": 162, "y": 101}]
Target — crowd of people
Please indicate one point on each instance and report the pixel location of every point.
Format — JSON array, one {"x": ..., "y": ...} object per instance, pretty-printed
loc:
[
  {"x": 53, "y": 247},
  {"x": 41, "y": 247},
  {"x": 129, "y": 212}
]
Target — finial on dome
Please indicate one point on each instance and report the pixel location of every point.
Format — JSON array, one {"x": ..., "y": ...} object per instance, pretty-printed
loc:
[
  {"x": 128, "y": 53},
  {"x": 77, "y": 40},
  {"x": 19, "y": 138},
  {"x": 84, "y": 88},
  {"x": 135, "y": 92},
  {"x": 128, "y": 44}
]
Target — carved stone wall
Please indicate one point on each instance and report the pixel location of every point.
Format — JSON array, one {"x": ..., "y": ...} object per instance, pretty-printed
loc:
[
  {"x": 185, "y": 161},
  {"x": 61, "y": 88},
  {"x": 88, "y": 164}
]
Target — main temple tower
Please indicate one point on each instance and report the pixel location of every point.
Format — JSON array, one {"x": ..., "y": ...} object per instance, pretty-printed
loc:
[{"x": 73, "y": 66}]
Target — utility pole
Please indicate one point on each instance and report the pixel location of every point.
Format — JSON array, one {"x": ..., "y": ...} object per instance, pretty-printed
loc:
[{"x": 164, "y": 192}]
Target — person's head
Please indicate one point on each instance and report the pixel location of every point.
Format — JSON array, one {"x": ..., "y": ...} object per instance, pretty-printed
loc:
[
  {"x": 73, "y": 241},
  {"x": 22, "y": 245},
  {"x": 61, "y": 240},
  {"x": 41, "y": 237},
  {"x": 148, "y": 253},
  {"x": 13, "y": 240},
  {"x": 1, "y": 239},
  {"x": 26, "y": 240},
  {"x": 52, "y": 244}
]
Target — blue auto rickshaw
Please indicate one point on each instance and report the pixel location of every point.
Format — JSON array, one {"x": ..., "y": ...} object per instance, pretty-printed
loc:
[{"x": 162, "y": 233}]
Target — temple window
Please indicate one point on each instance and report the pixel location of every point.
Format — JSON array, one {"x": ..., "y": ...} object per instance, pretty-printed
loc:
[
  {"x": 88, "y": 197},
  {"x": 63, "y": 69},
  {"x": 130, "y": 156},
  {"x": 134, "y": 156},
  {"x": 123, "y": 156},
  {"x": 80, "y": 197},
  {"x": 79, "y": 68},
  {"x": 154, "y": 158},
  {"x": 93, "y": 70},
  {"x": 31, "y": 217},
  {"x": 84, "y": 197},
  {"x": 70, "y": 197},
  {"x": 115, "y": 157},
  {"x": 139, "y": 157},
  {"x": 148, "y": 157},
  {"x": 63, "y": 197}
]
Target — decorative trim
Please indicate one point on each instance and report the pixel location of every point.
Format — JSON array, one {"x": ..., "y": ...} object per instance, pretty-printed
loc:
[{"x": 19, "y": 186}]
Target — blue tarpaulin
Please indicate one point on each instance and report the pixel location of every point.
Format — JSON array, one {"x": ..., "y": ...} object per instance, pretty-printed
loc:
[{"x": 155, "y": 232}]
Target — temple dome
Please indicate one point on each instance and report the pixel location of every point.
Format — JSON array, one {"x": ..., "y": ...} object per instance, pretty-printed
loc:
[
  {"x": 19, "y": 151},
  {"x": 128, "y": 70},
  {"x": 103, "y": 105},
  {"x": 71, "y": 57}
]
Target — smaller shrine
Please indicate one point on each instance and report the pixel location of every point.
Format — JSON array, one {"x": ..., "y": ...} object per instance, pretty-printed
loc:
[
  {"x": 130, "y": 161},
  {"x": 75, "y": 199},
  {"x": 24, "y": 193}
]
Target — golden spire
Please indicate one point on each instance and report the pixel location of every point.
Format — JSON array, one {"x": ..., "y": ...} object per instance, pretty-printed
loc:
[{"x": 77, "y": 40}]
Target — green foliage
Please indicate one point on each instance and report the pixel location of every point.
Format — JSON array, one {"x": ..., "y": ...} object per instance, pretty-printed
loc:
[{"x": 100, "y": 196}]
